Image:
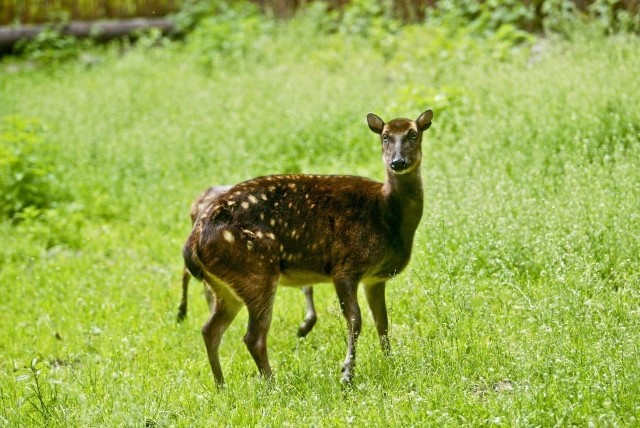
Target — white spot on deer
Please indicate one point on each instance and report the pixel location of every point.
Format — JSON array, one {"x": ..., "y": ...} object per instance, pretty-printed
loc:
[
  {"x": 245, "y": 205},
  {"x": 263, "y": 197},
  {"x": 252, "y": 199},
  {"x": 261, "y": 216},
  {"x": 231, "y": 203},
  {"x": 228, "y": 236},
  {"x": 272, "y": 188},
  {"x": 259, "y": 234},
  {"x": 250, "y": 245},
  {"x": 292, "y": 186},
  {"x": 281, "y": 248},
  {"x": 272, "y": 222},
  {"x": 271, "y": 235}
]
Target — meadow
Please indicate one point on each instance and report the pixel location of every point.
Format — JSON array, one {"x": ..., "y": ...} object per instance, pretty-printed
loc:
[{"x": 520, "y": 307}]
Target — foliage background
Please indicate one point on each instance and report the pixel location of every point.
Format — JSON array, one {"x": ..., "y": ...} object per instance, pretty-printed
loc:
[
  {"x": 530, "y": 13},
  {"x": 519, "y": 308}
]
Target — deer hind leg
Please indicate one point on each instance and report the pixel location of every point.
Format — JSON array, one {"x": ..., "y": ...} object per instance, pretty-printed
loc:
[
  {"x": 208, "y": 294},
  {"x": 310, "y": 317},
  {"x": 378, "y": 306},
  {"x": 224, "y": 312},
  {"x": 347, "y": 290},
  {"x": 182, "y": 309}
]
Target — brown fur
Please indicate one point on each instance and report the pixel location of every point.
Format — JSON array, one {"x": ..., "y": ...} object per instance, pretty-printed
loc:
[
  {"x": 302, "y": 229},
  {"x": 204, "y": 200},
  {"x": 197, "y": 207}
]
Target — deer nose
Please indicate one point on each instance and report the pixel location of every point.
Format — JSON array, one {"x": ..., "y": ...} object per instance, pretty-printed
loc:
[{"x": 398, "y": 164}]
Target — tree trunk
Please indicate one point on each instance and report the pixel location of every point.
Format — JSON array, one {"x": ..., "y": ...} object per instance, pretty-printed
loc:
[{"x": 100, "y": 30}]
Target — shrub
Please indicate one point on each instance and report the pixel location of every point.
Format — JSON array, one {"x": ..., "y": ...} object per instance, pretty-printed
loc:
[
  {"x": 229, "y": 33},
  {"x": 50, "y": 47},
  {"x": 616, "y": 16},
  {"x": 27, "y": 176}
]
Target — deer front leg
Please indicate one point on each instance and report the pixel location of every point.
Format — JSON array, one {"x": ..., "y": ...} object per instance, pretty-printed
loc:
[
  {"x": 378, "y": 306},
  {"x": 260, "y": 310},
  {"x": 310, "y": 317},
  {"x": 223, "y": 314},
  {"x": 347, "y": 290}
]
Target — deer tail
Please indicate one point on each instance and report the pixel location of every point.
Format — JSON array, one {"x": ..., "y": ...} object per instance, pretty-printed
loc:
[{"x": 191, "y": 256}]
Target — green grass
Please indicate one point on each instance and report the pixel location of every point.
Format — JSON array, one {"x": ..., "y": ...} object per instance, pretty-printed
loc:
[{"x": 520, "y": 306}]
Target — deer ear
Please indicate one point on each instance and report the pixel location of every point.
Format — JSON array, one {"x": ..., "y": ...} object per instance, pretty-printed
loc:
[
  {"x": 424, "y": 121},
  {"x": 375, "y": 123}
]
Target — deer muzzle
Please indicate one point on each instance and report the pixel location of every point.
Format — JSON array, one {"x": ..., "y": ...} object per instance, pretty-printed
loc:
[{"x": 399, "y": 164}]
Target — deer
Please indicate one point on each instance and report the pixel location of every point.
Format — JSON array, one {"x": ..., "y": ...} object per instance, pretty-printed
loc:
[
  {"x": 300, "y": 229},
  {"x": 203, "y": 200}
]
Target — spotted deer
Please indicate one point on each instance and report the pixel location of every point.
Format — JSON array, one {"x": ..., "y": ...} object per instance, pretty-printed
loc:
[
  {"x": 197, "y": 207},
  {"x": 297, "y": 230}
]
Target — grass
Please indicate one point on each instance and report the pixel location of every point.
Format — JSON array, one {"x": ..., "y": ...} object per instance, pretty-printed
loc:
[{"x": 520, "y": 305}]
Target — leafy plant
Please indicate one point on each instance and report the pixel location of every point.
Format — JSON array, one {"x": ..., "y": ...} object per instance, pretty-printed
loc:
[
  {"x": 548, "y": 15},
  {"x": 559, "y": 15},
  {"x": 482, "y": 16},
  {"x": 614, "y": 16},
  {"x": 27, "y": 175},
  {"x": 50, "y": 47},
  {"x": 32, "y": 195},
  {"x": 367, "y": 18},
  {"x": 190, "y": 15},
  {"x": 232, "y": 32}
]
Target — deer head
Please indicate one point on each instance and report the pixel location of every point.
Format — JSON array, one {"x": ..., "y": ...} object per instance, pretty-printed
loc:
[{"x": 401, "y": 140}]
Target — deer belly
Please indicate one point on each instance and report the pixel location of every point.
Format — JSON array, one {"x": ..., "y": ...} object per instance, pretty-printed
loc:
[{"x": 300, "y": 277}]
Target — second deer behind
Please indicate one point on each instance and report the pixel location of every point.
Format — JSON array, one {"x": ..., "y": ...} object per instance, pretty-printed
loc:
[{"x": 298, "y": 230}]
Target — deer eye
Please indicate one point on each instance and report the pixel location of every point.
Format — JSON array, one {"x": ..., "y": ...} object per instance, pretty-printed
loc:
[
  {"x": 385, "y": 138},
  {"x": 413, "y": 136}
]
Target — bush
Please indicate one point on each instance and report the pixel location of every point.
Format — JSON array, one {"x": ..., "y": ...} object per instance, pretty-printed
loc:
[
  {"x": 229, "y": 33},
  {"x": 547, "y": 15},
  {"x": 33, "y": 198},
  {"x": 27, "y": 176},
  {"x": 51, "y": 47},
  {"x": 614, "y": 16}
]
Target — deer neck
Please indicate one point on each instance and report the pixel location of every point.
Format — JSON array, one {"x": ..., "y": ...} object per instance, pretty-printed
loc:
[{"x": 403, "y": 196}]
